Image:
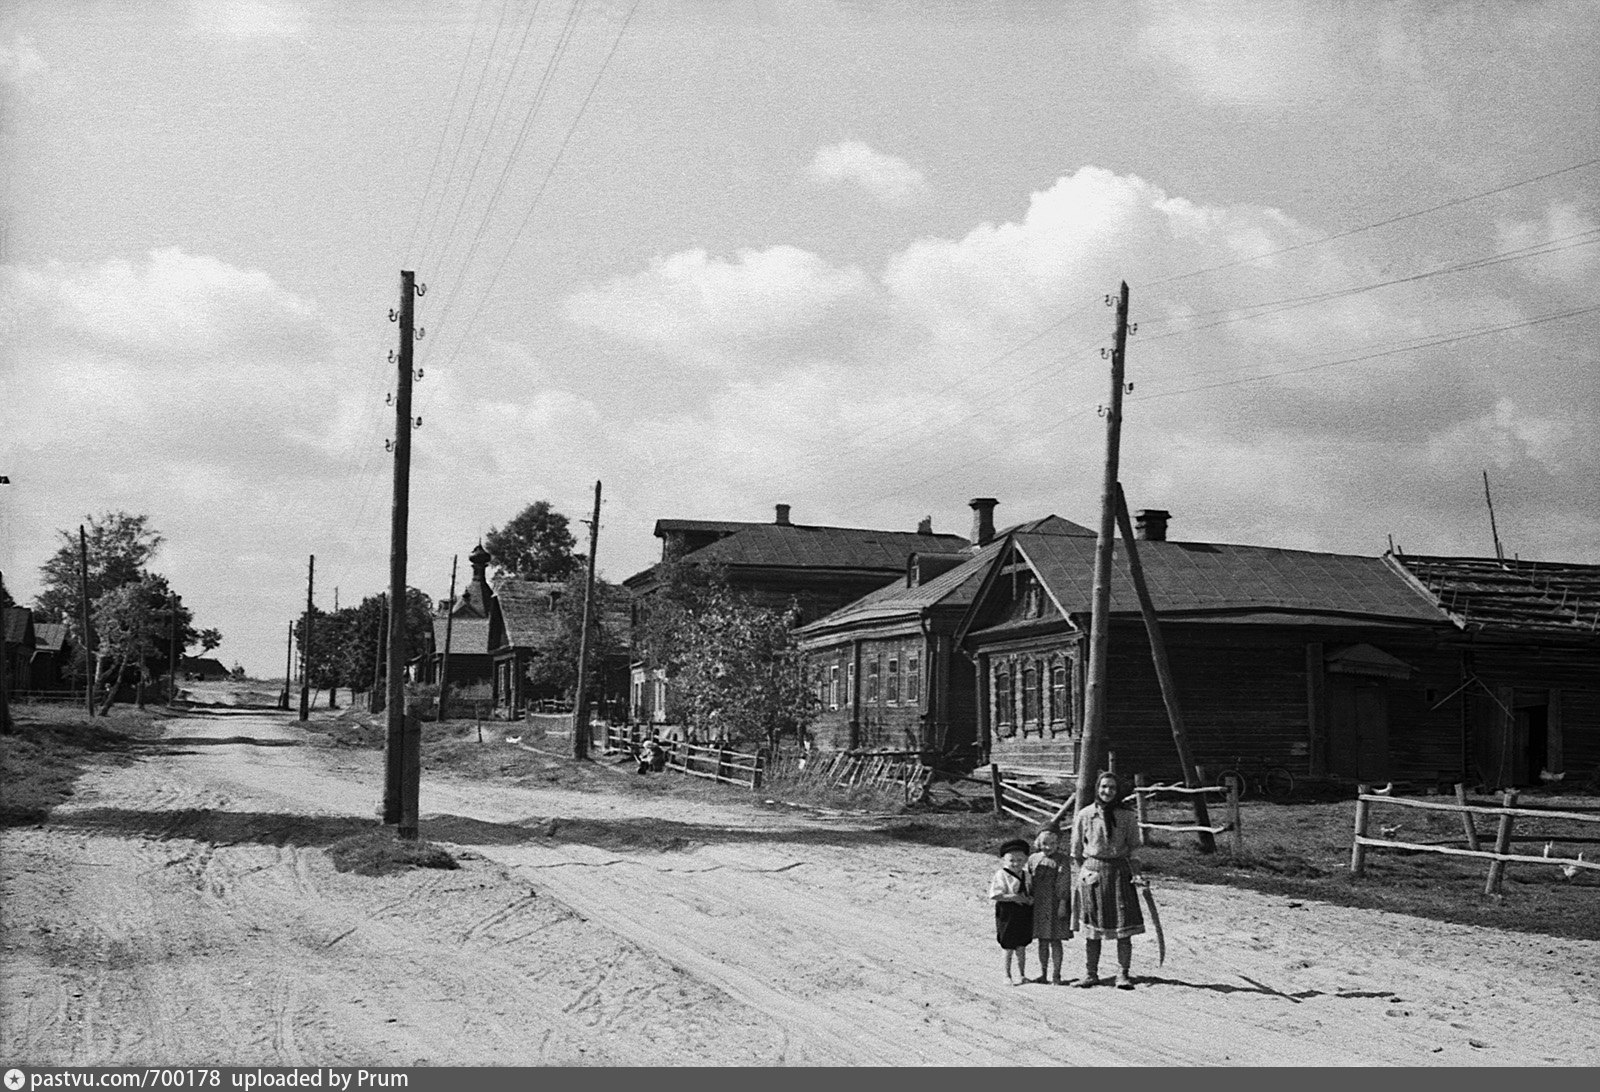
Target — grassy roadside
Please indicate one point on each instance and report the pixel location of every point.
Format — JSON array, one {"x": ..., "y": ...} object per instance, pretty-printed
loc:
[{"x": 53, "y": 744}]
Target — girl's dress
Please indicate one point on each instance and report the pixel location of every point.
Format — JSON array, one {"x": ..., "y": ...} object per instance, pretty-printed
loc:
[
  {"x": 1105, "y": 904},
  {"x": 1013, "y": 921},
  {"x": 1049, "y": 879}
]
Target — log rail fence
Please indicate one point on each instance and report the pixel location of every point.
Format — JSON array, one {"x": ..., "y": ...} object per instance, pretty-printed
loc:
[{"x": 1499, "y": 857}]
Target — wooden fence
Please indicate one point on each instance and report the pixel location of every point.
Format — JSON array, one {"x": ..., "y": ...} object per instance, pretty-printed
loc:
[
  {"x": 715, "y": 763},
  {"x": 1030, "y": 807},
  {"x": 1499, "y": 857},
  {"x": 1145, "y": 794}
]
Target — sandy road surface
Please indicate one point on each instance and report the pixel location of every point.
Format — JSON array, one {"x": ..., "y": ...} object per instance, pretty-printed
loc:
[{"x": 179, "y": 911}]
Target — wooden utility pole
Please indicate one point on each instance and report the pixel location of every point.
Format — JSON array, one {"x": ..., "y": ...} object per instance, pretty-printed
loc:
[
  {"x": 375, "y": 701},
  {"x": 580, "y": 703},
  {"x": 172, "y": 651},
  {"x": 1094, "y": 707},
  {"x": 1169, "y": 692},
  {"x": 83, "y": 602},
  {"x": 403, "y": 742},
  {"x": 449, "y": 623},
  {"x": 5, "y": 671},
  {"x": 288, "y": 669},
  {"x": 305, "y": 645}
]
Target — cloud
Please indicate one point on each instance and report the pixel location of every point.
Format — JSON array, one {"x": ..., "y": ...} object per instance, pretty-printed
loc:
[
  {"x": 245, "y": 20},
  {"x": 1567, "y": 232},
  {"x": 1279, "y": 397},
  {"x": 890, "y": 180},
  {"x": 1242, "y": 54}
]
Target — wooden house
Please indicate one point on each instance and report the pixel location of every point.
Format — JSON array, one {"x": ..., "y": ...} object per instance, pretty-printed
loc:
[
  {"x": 1330, "y": 664},
  {"x": 887, "y": 672},
  {"x": 18, "y": 641},
  {"x": 1527, "y": 640},
  {"x": 523, "y": 623},
  {"x": 466, "y": 624},
  {"x": 50, "y": 670},
  {"x": 814, "y": 570}
]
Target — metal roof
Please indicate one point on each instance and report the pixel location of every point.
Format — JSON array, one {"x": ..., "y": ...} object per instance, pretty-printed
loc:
[{"x": 792, "y": 545}]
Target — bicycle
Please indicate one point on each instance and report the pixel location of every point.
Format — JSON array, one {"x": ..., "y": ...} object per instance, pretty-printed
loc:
[{"x": 1273, "y": 782}]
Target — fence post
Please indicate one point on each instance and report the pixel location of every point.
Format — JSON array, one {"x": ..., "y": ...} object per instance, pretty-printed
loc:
[
  {"x": 1502, "y": 845},
  {"x": 1466, "y": 816},
  {"x": 1144, "y": 813},
  {"x": 1358, "y": 852},
  {"x": 755, "y": 775},
  {"x": 1234, "y": 817},
  {"x": 998, "y": 789},
  {"x": 722, "y": 763}
]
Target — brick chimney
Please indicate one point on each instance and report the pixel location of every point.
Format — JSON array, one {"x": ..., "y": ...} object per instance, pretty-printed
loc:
[
  {"x": 783, "y": 515},
  {"x": 1150, "y": 524},
  {"x": 982, "y": 519},
  {"x": 925, "y": 525}
]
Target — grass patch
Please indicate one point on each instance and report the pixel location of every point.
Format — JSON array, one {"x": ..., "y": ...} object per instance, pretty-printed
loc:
[
  {"x": 380, "y": 853},
  {"x": 51, "y": 747}
]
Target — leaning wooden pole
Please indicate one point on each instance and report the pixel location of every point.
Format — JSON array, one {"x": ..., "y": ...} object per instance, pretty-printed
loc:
[
  {"x": 580, "y": 701},
  {"x": 1169, "y": 692},
  {"x": 1094, "y": 708},
  {"x": 449, "y": 622}
]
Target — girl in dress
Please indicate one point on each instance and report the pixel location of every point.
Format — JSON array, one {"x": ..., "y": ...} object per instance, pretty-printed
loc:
[
  {"x": 1013, "y": 907},
  {"x": 1049, "y": 882}
]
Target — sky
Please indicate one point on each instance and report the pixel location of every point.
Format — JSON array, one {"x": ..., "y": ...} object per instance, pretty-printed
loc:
[{"x": 852, "y": 257}]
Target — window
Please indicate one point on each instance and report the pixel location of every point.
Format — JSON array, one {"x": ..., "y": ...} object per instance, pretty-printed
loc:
[
  {"x": 1031, "y": 694},
  {"x": 1002, "y": 695},
  {"x": 872, "y": 680},
  {"x": 913, "y": 678},
  {"x": 894, "y": 681},
  {"x": 1060, "y": 711},
  {"x": 833, "y": 686},
  {"x": 850, "y": 683}
]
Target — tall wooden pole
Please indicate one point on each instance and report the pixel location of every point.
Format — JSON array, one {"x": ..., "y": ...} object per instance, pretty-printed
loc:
[
  {"x": 288, "y": 668},
  {"x": 305, "y": 646},
  {"x": 449, "y": 623},
  {"x": 83, "y": 602},
  {"x": 403, "y": 744},
  {"x": 172, "y": 651},
  {"x": 580, "y": 703},
  {"x": 1169, "y": 691},
  {"x": 1094, "y": 709},
  {"x": 5, "y": 671}
]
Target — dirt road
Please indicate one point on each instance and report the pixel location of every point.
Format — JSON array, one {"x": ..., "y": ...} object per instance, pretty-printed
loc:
[{"x": 181, "y": 910}]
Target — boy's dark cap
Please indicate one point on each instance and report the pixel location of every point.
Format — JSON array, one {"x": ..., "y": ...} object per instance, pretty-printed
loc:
[{"x": 1019, "y": 844}]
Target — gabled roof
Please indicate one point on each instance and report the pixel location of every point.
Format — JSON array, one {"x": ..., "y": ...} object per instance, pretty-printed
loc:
[
  {"x": 1206, "y": 578},
  {"x": 49, "y": 636},
  {"x": 469, "y": 635},
  {"x": 18, "y": 628},
  {"x": 527, "y": 609},
  {"x": 663, "y": 526},
  {"x": 954, "y": 588},
  {"x": 1508, "y": 596}
]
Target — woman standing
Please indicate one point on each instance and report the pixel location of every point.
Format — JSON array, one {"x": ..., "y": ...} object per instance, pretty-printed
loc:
[
  {"x": 1104, "y": 837},
  {"x": 1049, "y": 878}
]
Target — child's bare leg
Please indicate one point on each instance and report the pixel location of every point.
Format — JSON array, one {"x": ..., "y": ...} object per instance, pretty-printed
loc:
[
  {"x": 1009, "y": 956},
  {"x": 1022, "y": 963}
]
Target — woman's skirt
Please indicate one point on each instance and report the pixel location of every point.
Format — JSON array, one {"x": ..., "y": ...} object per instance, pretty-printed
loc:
[
  {"x": 1013, "y": 924},
  {"x": 1104, "y": 902}
]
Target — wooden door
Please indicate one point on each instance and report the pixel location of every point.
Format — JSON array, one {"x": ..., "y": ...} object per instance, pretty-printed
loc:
[{"x": 1358, "y": 729}]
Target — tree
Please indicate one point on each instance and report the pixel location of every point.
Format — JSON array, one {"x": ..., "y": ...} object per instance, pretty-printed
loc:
[
  {"x": 536, "y": 544},
  {"x": 5, "y": 595},
  {"x": 119, "y": 547},
  {"x": 135, "y": 625},
  {"x": 363, "y": 637},
  {"x": 735, "y": 667}
]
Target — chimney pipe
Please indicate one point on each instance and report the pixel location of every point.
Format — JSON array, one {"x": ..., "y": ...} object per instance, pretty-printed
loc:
[
  {"x": 783, "y": 515},
  {"x": 982, "y": 519},
  {"x": 925, "y": 526},
  {"x": 1150, "y": 525}
]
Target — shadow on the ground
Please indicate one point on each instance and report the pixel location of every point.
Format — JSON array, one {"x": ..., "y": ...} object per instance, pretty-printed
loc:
[
  {"x": 1260, "y": 988},
  {"x": 180, "y": 744}
]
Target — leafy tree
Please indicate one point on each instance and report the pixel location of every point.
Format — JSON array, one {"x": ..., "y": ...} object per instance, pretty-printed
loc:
[
  {"x": 363, "y": 637},
  {"x": 134, "y": 623},
  {"x": 536, "y": 544},
  {"x": 120, "y": 545},
  {"x": 735, "y": 667},
  {"x": 5, "y": 595}
]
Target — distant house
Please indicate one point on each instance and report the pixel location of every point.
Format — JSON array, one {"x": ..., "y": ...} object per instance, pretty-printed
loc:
[
  {"x": 51, "y": 666},
  {"x": 814, "y": 569},
  {"x": 18, "y": 640},
  {"x": 201, "y": 669},
  {"x": 522, "y": 624},
  {"x": 887, "y": 672},
  {"x": 1330, "y": 664},
  {"x": 465, "y": 623},
  {"x": 1526, "y": 640}
]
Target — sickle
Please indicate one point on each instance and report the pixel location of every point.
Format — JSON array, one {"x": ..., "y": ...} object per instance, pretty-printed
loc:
[{"x": 1155, "y": 919}]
